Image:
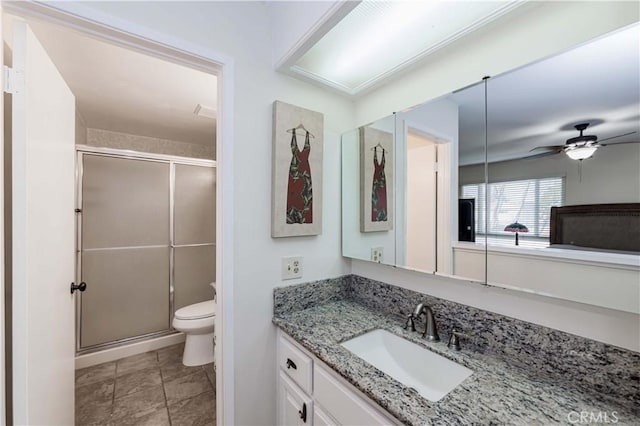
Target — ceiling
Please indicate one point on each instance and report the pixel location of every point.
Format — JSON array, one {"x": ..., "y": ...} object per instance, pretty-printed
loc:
[
  {"x": 377, "y": 39},
  {"x": 125, "y": 91},
  {"x": 539, "y": 104}
]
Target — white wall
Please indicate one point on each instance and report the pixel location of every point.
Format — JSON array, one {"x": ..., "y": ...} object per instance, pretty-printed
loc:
[
  {"x": 292, "y": 21},
  {"x": 612, "y": 175},
  {"x": 533, "y": 32},
  {"x": 241, "y": 30},
  {"x": 598, "y": 280}
]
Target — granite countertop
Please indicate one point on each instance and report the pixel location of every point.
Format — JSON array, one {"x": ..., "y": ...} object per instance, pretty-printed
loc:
[{"x": 496, "y": 393}]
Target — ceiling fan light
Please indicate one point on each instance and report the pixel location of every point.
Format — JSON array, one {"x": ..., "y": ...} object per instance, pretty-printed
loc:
[{"x": 581, "y": 153}]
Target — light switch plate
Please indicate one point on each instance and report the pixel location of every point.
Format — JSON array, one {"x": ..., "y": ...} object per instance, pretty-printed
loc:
[{"x": 291, "y": 267}]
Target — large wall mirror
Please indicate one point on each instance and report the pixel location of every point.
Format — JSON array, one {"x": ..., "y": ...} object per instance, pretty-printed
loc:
[
  {"x": 399, "y": 188},
  {"x": 529, "y": 180}
]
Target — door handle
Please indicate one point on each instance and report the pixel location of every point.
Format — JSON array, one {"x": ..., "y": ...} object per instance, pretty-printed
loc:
[
  {"x": 80, "y": 287},
  {"x": 303, "y": 412},
  {"x": 291, "y": 364}
]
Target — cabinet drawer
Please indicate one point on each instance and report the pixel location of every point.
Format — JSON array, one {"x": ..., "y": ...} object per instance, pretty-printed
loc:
[
  {"x": 295, "y": 363},
  {"x": 344, "y": 405}
]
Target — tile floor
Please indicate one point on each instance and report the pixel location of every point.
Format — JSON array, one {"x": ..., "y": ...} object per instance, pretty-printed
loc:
[{"x": 153, "y": 388}]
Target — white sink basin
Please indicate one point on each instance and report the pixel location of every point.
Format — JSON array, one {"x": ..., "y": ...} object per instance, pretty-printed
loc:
[{"x": 432, "y": 375}]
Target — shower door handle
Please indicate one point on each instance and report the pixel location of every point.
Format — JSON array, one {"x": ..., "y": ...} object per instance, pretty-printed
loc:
[{"x": 81, "y": 287}]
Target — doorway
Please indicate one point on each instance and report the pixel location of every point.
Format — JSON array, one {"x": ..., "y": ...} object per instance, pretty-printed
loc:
[
  {"x": 428, "y": 199},
  {"x": 421, "y": 201},
  {"x": 146, "y": 241},
  {"x": 26, "y": 390}
]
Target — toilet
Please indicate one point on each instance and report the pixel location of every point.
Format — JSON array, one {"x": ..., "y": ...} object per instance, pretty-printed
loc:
[{"x": 197, "y": 323}]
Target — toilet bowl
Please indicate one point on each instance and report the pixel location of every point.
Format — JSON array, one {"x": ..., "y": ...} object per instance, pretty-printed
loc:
[{"x": 197, "y": 323}]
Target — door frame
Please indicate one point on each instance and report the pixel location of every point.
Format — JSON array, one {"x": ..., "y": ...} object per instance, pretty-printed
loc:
[
  {"x": 446, "y": 202},
  {"x": 3, "y": 346},
  {"x": 104, "y": 27}
]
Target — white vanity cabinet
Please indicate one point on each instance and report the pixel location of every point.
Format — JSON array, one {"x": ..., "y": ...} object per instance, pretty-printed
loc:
[{"x": 311, "y": 394}]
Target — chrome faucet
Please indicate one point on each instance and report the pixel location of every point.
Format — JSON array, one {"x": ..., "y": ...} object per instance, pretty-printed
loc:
[{"x": 430, "y": 328}]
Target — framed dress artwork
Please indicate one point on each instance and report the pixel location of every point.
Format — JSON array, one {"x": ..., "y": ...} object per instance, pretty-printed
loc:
[
  {"x": 376, "y": 180},
  {"x": 296, "y": 200}
]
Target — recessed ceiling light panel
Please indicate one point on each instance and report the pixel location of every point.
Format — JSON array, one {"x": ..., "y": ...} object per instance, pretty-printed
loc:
[{"x": 378, "y": 38}]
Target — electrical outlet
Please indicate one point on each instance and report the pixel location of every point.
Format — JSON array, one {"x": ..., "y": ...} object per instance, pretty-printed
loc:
[
  {"x": 291, "y": 267},
  {"x": 377, "y": 254}
]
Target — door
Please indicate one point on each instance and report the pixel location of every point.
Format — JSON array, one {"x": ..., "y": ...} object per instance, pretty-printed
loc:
[
  {"x": 43, "y": 237},
  {"x": 124, "y": 250},
  {"x": 194, "y": 233}
]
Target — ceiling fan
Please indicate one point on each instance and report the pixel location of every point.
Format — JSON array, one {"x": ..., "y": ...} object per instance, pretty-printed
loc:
[{"x": 579, "y": 147}]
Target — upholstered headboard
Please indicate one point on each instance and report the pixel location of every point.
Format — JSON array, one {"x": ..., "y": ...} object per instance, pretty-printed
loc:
[{"x": 598, "y": 226}]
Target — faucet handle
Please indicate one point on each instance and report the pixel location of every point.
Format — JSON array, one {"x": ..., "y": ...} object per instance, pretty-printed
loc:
[
  {"x": 454, "y": 339},
  {"x": 419, "y": 310},
  {"x": 410, "y": 320}
]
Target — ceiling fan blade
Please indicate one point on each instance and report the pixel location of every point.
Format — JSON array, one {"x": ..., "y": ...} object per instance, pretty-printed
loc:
[
  {"x": 549, "y": 148},
  {"x": 558, "y": 150},
  {"x": 613, "y": 137},
  {"x": 617, "y": 143}
]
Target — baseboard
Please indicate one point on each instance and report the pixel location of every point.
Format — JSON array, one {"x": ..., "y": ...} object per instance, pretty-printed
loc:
[{"x": 113, "y": 354}]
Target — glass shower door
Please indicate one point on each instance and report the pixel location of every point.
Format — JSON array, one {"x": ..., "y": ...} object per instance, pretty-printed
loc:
[
  {"x": 125, "y": 249},
  {"x": 194, "y": 234}
]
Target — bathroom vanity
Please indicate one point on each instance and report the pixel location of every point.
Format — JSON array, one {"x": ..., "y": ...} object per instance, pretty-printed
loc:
[
  {"x": 310, "y": 392},
  {"x": 521, "y": 373}
]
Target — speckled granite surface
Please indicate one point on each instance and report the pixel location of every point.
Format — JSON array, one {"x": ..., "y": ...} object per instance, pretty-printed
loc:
[
  {"x": 303, "y": 296},
  {"x": 523, "y": 373}
]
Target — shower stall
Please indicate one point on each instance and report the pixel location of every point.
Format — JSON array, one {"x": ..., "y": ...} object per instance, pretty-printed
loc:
[{"x": 145, "y": 243}]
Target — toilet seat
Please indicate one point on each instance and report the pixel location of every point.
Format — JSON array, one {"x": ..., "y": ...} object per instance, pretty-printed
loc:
[{"x": 197, "y": 311}]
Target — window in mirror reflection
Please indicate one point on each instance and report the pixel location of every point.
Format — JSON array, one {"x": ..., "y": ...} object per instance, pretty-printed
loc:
[
  {"x": 526, "y": 202},
  {"x": 564, "y": 132}
]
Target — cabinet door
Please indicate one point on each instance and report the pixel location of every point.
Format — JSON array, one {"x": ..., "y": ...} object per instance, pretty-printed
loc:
[
  {"x": 321, "y": 418},
  {"x": 342, "y": 402},
  {"x": 295, "y": 408}
]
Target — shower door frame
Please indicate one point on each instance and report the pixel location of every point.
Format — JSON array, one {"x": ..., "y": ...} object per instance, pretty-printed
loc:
[{"x": 172, "y": 161}]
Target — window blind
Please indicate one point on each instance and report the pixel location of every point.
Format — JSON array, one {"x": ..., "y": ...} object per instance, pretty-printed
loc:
[{"x": 526, "y": 201}]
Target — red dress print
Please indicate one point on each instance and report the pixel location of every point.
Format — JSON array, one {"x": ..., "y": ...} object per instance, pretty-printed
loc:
[
  {"x": 299, "y": 191},
  {"x": 378, "y": 190}
]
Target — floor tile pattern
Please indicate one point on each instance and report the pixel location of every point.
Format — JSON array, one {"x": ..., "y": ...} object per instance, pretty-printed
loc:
[{"x": 153, "y": 388}]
